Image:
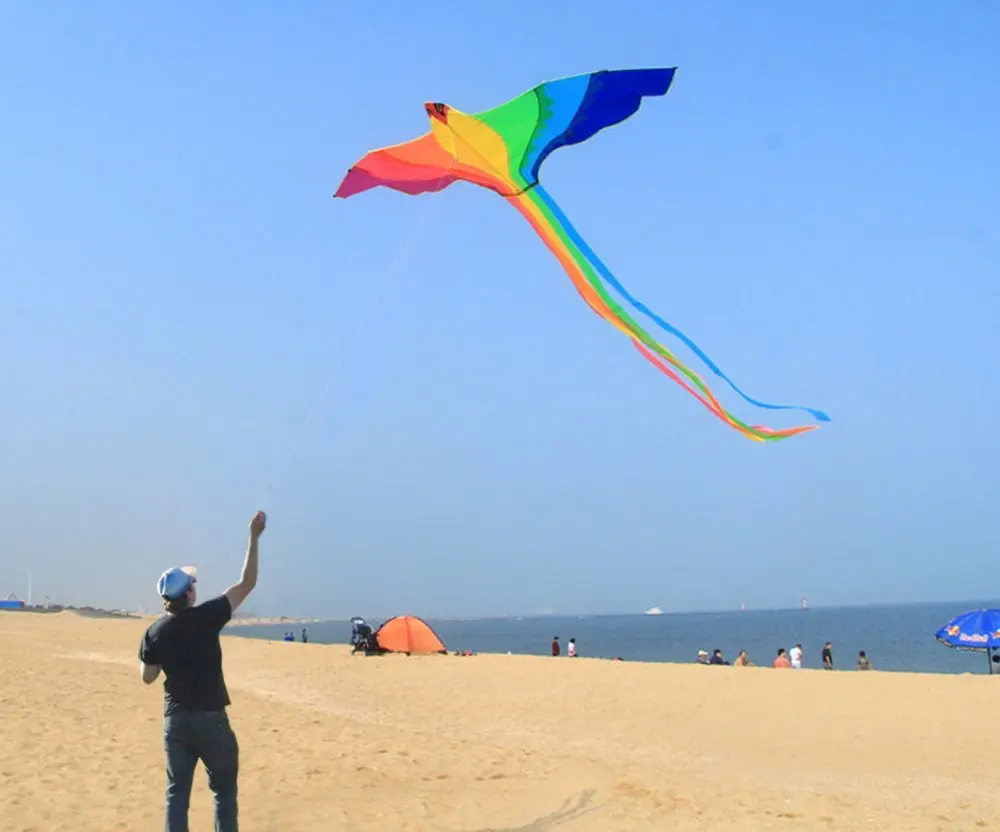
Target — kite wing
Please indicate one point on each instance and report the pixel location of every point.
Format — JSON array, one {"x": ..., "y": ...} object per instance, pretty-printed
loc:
[
  {"x": 415, "y": 167},
  {"x": 522, "y": 133},
  {"x": 569, "y": 111}
]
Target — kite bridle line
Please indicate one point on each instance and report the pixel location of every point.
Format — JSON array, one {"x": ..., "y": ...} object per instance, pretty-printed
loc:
[{"x": 395, "y": 266}]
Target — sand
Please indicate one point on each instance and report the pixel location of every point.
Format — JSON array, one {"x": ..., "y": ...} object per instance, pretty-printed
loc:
[{"x": 500, "y": 743}]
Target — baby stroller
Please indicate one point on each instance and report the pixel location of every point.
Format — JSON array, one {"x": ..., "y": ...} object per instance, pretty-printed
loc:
[{"x": 362, "y": 637}]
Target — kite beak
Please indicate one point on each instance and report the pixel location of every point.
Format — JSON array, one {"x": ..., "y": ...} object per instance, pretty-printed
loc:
[{"x": 437, "y": 111}]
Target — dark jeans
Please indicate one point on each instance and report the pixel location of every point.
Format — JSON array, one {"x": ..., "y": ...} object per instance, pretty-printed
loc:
[{"x": 190, "y": 736}]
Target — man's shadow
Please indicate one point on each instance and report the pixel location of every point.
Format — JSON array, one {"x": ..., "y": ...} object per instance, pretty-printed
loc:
[{"x": 571, "y": 809}]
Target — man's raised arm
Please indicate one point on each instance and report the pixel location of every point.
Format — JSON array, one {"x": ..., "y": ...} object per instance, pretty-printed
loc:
[{"x": 238, "y": 592}]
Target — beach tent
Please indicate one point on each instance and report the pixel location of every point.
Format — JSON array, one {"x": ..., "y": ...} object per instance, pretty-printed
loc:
[{"x": 406, "y": 634}]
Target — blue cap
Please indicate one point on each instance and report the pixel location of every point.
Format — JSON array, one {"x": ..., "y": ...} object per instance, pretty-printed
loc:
[{"x": 175, "y": 582}]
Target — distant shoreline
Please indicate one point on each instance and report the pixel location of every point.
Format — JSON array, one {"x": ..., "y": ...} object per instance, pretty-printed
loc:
[
  {"x": 249, "y": 623},
  {"x": 89, "y": 612},
  {"x": 98, "y": 612},
  {"x": 261, "y": 621},
  {"x": 533, "y": 616}
]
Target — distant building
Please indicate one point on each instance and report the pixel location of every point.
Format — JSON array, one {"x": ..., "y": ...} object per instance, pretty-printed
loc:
[{"x": 11, "y": 602}]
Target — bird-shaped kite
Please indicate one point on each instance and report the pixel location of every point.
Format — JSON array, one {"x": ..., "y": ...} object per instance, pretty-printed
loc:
[{"x": 503, "y": 149}]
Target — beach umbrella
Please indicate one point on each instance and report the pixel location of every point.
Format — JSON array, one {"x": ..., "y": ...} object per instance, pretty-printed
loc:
[{"x": 972, "y": 631}]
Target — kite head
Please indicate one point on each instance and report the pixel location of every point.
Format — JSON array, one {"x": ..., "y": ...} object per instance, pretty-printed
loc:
[{"x": 438, "y": 111}]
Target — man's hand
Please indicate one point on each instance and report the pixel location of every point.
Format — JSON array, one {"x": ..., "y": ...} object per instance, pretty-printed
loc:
[{"x": 258, "y": 524}]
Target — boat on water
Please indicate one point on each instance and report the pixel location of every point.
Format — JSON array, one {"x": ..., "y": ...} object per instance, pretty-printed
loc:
[{"x": 654, "y": 611}]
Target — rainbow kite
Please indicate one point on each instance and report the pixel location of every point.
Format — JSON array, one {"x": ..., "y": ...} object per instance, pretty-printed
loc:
[{"x": 503, "y": 150}]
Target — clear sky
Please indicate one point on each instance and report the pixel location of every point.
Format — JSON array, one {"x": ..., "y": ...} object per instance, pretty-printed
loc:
[{"x": 191, "y": 327}]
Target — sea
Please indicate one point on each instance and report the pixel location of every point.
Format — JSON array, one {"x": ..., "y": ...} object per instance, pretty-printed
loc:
[{"x": 896, "y": 638}]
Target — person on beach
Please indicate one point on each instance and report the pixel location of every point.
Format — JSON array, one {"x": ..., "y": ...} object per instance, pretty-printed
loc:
[
  {"x": 795, "y": 657},
  {"x": 184, "y": 644},
  {"x": 555, "y": 645},
  {"x": 717, "y": 657},
  {"x": 571, "y": 648},
  {"x": 828, "y": 656},
  {"x": 742, "y": 660},
  {"x": 781, "y": 660},
  {"x": 864, "y": 663}
]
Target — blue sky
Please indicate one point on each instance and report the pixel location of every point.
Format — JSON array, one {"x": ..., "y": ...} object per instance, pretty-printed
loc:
[{"x": 192, "y": 328}]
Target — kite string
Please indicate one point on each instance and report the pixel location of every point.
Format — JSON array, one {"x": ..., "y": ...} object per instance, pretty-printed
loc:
[
  {"x": 346, "y": 344},
  {"x": 395, "y": 266}
]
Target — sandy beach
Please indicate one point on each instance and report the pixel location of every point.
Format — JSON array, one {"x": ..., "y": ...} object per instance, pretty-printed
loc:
[{"x": 492, "y": 743}]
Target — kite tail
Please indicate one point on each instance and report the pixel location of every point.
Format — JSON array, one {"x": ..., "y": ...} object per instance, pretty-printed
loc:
[
  {"x": 606, "y": 273},
  {"x": 565, "y": 244}
]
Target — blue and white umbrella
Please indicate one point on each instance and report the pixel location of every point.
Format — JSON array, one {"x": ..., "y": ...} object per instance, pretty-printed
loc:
[{"x": 974, "y": 630}]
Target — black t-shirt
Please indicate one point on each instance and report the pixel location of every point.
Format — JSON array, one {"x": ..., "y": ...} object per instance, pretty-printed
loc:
[
  {"x": 827, "y": 657},
  {"x": 186, "y": 645}
]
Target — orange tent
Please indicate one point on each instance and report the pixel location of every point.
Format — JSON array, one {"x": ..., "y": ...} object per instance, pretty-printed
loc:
[{"x": 406, "y": 634}]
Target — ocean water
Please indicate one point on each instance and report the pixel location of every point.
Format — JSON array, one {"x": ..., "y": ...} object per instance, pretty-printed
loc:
[{"x": 896, "y": 638}]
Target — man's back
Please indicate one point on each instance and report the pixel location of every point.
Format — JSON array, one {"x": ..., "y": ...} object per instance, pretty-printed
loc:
[{"x": 186, "y": 645}]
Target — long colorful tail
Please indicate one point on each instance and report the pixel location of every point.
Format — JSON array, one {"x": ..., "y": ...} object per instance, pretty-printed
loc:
[
  {"x": 606, "y": 273},
  {"x": 585, "y": 269}
]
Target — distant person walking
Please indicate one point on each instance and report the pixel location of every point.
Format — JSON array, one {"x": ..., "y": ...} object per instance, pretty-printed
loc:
[
  {"x": 184, "y": 644},
  {"x": 828, "y": 656},
  {"x": 555, "y": 646},
  {"x": 795, "y": 656}
]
